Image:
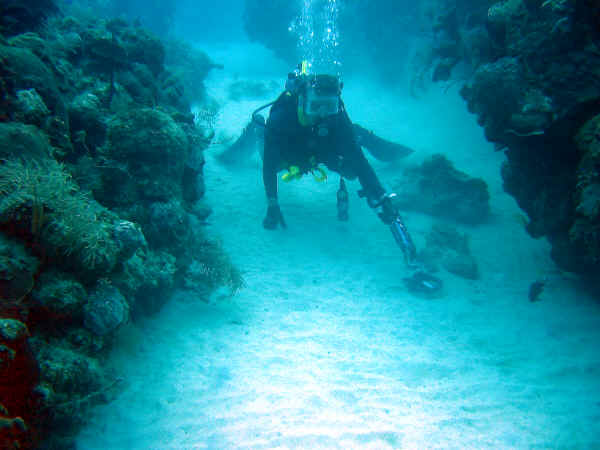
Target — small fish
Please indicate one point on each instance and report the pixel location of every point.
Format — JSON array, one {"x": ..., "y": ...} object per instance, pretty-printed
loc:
[{"x": 535, "y": 289}]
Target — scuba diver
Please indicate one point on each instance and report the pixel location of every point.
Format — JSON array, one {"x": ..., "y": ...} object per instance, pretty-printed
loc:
[{"x": 308, "y": 126}]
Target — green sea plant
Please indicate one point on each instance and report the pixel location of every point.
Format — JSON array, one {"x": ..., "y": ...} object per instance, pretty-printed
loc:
[{"x": 43, "y": 203}]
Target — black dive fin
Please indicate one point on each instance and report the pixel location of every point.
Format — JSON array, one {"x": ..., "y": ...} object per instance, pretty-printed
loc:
[
  {"x": 241, "y": 150},
  {"x": 252, "y": 139},
  {"x": 380, "y": 148}
]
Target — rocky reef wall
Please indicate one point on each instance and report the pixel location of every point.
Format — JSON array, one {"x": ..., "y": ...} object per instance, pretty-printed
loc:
[
  {"x": 101, "y": 207},
  {"x": 534, "y": 84}
]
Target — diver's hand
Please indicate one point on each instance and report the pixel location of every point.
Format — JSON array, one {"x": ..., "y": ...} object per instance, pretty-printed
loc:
[{"x": 274, "y": 217}]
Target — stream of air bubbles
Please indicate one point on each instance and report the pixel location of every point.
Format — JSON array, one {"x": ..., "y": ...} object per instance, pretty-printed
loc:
[{"x": 318, "y": 36}]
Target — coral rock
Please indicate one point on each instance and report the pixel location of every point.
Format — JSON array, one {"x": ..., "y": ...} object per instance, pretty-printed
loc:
[
  {"x": 129, "y": 238},
  {"x": 105, "y": 310},
  {"x": 12, "y": 330},
  {"x": 153, "y": 149},
  {"x": 85, "y": 114},
  {"x": 21, "y": 140},
  {"x": 31, "y": 108},
  {"x": 60, "y": 295}
]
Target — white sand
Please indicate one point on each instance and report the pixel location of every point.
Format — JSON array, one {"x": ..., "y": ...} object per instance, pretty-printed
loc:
[{"x": 326, "y": 349}]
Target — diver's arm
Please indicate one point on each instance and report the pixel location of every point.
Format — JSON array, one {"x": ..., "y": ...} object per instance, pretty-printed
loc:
[
  {"x": 366, "y": 175},
  {"x": 351, "y": 151},
  {"x": 388, "y": 213},
  {"x": 374, "y": 192},
  {"x": 280, "y": 116},
  {"x": 270, "y": 166}
]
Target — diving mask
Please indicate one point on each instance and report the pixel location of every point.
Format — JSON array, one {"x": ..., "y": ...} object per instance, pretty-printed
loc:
[
  {"x": 319, "y": 105},
  {"x": 322, "y": 96}
]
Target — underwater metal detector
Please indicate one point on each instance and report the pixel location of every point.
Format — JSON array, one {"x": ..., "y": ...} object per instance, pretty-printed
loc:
[
  {"x": 420, "y": 282},
  {"x": 403, "y": 240}
]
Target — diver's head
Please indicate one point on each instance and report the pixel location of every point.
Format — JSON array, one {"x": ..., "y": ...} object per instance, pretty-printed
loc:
[{"x": 318, "y": 95}]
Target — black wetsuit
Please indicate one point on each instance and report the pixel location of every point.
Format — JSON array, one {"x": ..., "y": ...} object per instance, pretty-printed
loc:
[{"x": 288, "y": 143}]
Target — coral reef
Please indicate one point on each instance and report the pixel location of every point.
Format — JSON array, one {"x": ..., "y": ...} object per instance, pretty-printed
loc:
[
  {"x": 42, "y": 204},
  {"x": 535, "y": 91},
  {"x": 584, "y": 232},
  {"x": 17, "y": 16},
  {"x": 189, "y": 64},
  {"x": 101, "y": 207},
  {"x": 19, "y": 375}
]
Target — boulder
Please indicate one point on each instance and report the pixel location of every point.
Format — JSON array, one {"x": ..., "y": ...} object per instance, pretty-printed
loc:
[
  {"x": 12, "y": 331},
  {"x": 449, "y": 248},
  {"x": 129, "y": 238},
  {"x": 28, "y": 71},
  {"x": 105, "y": 310},
  {"x": 148, "y": 277},
  {"x": 85, "y": 114},
  {"x": 60, "y": 296},
  {"x": 168, "y": 224},
  {"x": 17, "y": 269},
  {"x": 30, "y": 108},
  {"x": 152, "y": 148},
  {"x": 437, "y": 188}
]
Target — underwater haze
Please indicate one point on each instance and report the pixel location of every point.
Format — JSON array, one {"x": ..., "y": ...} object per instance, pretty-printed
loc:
[{"x": 146, "y": 301}]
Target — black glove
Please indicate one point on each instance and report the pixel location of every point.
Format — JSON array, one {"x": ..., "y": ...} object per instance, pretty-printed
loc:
[{"x": 274, "y": 217}]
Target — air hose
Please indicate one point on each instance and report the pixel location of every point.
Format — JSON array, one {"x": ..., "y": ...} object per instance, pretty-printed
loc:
[{"x": 255, "y": 115}]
